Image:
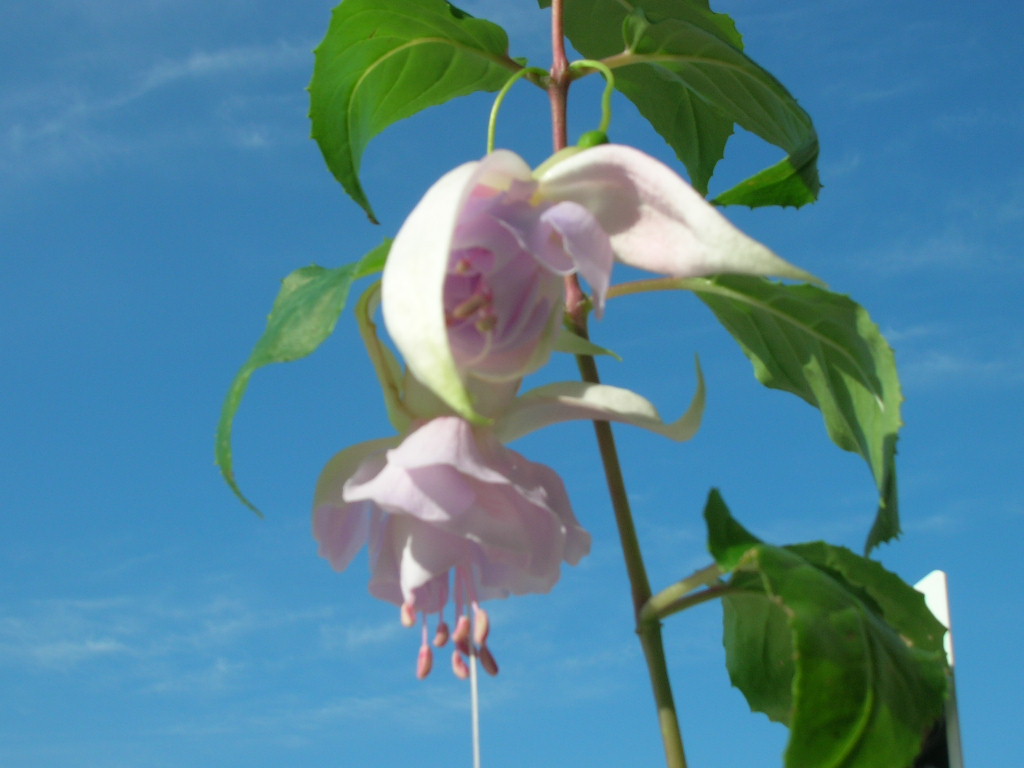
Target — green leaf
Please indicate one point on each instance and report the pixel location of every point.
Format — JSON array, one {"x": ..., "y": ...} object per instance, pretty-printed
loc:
[
  {"x": 304, "y": 314},
  {"x": 728, "y": 541},
  {"x": 833, "y": 645},
  {"x": 759, "y": 652},
  {"x": 385, "y": 60},
  {"x": 574, "y": 344},
  {"x": 785, "y": 183},
  {"x": 685, "y": 70},
  {"x": 825, "y": 348},
  {"x": 903, "y": 607}
]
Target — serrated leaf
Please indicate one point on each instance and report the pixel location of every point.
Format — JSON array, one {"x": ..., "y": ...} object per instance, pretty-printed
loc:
[
  {"x": 304, "y": 314},
  {"x": 697, "y": 132},
  {"x": 903, "y": 607},
  {"x": 851, "y": 680},
  {"x": 385, "y": 60},
  {"x": 825, "y": 348},
  {"x": 785, "y": 183},
  {"x": 685, "y": 70}
]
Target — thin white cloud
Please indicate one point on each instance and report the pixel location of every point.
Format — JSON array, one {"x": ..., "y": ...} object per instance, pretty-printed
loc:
[
  {"x": 891, "y": 90},
  {"x": 67, "y": 653},
  {"x": 419, "y": 709},
  {"x": 350, "y": 637},
  {"x": 912, "y": 333},
  {"x": 205, "y": 64},
  {"x": 836, "y": 168},
  {"x": 215, "y": 677},
  {"x": 162, "y": 645},
  {"x": 933, "y": 368},
  {"x": 67, "y": 124},
  {"x": 949, "y": 249}
]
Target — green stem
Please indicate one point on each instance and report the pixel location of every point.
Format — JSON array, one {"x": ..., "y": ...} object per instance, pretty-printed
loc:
[
  {"x": 649, "y": 631},
  {"x": 683, "y": 594},
  {"x": 651, "y": 284},
  {"x": 609, "y": 89},
  {"x": 492, "y": 122},
  {"x": 576, "y": 310}
]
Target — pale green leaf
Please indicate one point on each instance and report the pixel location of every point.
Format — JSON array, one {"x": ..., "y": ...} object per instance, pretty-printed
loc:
[
  {"x": 304, "y": 314},
  {"x": 575, "y": 344},
  {"x": 385, "y": 60}
]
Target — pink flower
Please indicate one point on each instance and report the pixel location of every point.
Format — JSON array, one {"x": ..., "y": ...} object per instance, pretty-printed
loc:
[
  {"x": 472, "y": 289},
  {"x": 452, "y": 515},
  {"x": 503, "y": 289},
  {"x": 448, "y": 513}
]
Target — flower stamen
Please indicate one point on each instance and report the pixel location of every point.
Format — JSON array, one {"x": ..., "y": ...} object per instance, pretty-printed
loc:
[
  {"x": 425, "y": 660},
  {"x": 459, "y": 666},
  {"x": 442, "y": 634},
  {"x": 471, "y": 306}
]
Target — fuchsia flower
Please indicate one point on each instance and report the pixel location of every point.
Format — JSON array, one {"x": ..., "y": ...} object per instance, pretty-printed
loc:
[
  {"x": 453, "y": 516},
  {"x": 449, "y": 504},
  {"x": 473, "y": 291},
  {"x": 473, "y": 298}
]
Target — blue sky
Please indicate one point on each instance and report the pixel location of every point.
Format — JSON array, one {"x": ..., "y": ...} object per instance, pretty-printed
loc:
[{"x": 156, "y": 182}]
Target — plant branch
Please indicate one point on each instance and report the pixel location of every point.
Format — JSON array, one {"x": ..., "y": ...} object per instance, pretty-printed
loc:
[
  {"x": 683, "y": 594},
  {"x": 640, "y": 587},
  {"x": 577, "y": 307},
  {"x": 558, "y": 85}
]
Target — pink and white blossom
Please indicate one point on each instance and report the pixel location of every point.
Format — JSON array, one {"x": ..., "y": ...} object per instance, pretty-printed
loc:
[
  {"x": 472, "y": 289},
  {"x": 451, "y": 516}
]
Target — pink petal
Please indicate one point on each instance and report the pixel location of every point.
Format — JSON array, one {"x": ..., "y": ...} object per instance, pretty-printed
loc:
[
  {"x": 414, "y": 277},
  {"x": 339, "y": 526},
  {"x": 587, "y": 244},
  {"x": 656, "y": 221},
  {"x": 450, "y": 496}
]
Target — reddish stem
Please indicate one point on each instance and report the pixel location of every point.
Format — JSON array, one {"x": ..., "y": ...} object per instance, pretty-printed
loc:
[
  {"x": 576, "y": 308},
  {"x": 558, "y": 85}
]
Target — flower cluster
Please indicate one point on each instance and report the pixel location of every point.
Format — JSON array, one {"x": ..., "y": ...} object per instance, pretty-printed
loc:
[{"x": 472, "y": 296}]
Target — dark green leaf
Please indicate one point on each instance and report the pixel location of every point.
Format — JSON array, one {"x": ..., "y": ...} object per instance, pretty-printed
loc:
[
  {"x": 304, "y": 314},
  {"x": 728, "y": 541},
  {"x": 685, "y": 70},
  {"x": 825, "y": 348},
  {"x": 385, "y": 60},
  {"x": 903, "y": 607},
  {"x": 759, "y": 652},
  {"x": 860, "y": 677},
  {"x": 696, "y": 131}
]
